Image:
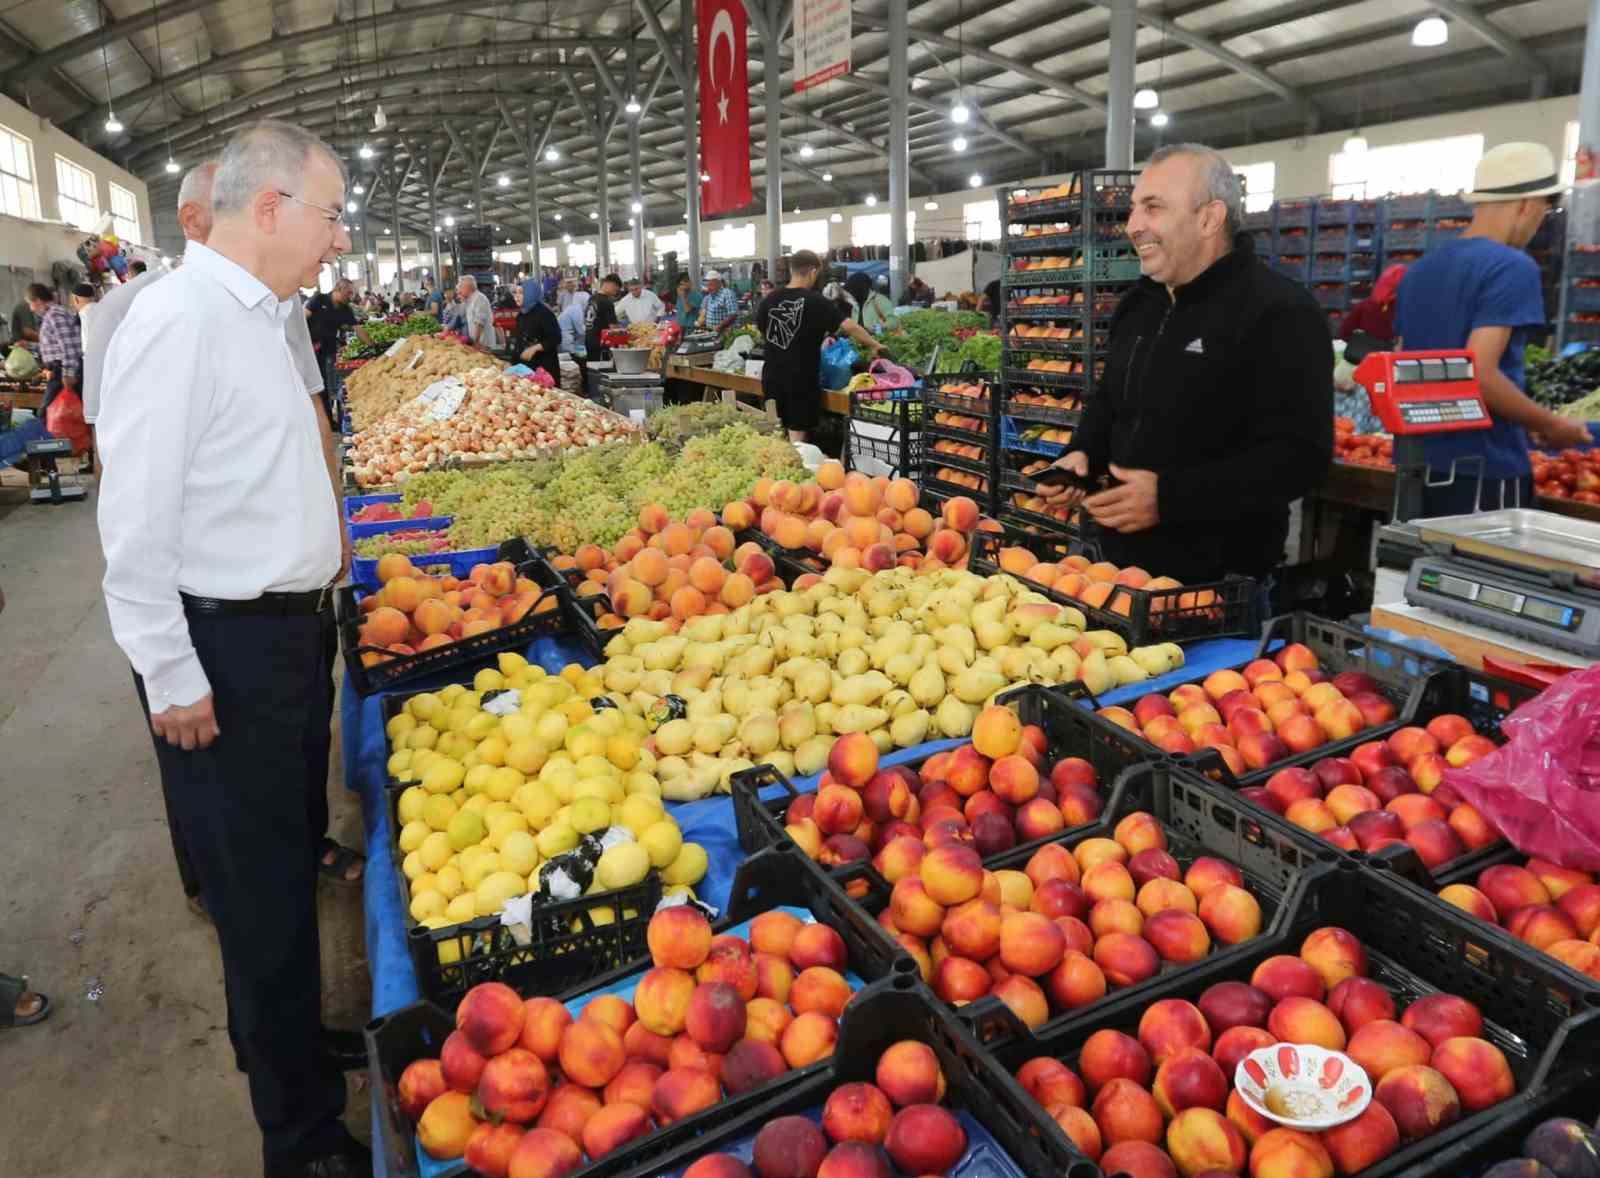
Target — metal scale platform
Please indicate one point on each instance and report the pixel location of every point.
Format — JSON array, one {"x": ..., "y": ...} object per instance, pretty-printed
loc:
[
  {"x": 1531, "y": 574},
  {"x": 46, "y": 484}
]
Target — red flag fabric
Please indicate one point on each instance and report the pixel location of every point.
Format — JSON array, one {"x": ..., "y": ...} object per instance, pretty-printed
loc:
[{"x": 724, "y": 107}]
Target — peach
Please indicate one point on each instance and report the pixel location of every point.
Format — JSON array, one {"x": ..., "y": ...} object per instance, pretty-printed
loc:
[
  {"x": 1383, "y": 1045},
  {"x": 1115, "y": 916},
  {"x": 789, "y": 1146},
  {"x": 1420, "y": 1099},
  {"x": 1300, "y": 733},
  {"x": 545, "y": 1153},
  {"x": 774, "y": 977},
  {"x": 1469, "y": 749},
  {"x": 569, "y": 1108},
  {"x": 817, "y": 944},
  {"x": 1126, "y": 960},
  {"x": 1159, "y": 895},
  {"x": 924, "y": 1138},
  {"x": 1428, "y": 771},
  {"x": 1281, "y": 976},
  {"x": 1051, "y": 1082},
  {"x": 718, "y": 1165},
  {"x": 679, "y": 937},
  {"x": 591, "y": 1053},
  {"x": 1052, "y": 861},
  {"x": 1346, "y": 801},
  {"x": 1075, "y": 981},
  {"x": 854, "y": 1159},
  {"x": 1434, "y": 841},
  {"x": 681, "y": 1092},
  {"x": 1123, "y": 1111},
  {"x": 1558, "y": 880},
  {"x": 820, "y": 988},
  {"x": 636, "y": 1082},
  {"x": 1363, "y": 1142},
  {"x": 1288, "y": 1153},
  {"x": 1335, "y": 954},
  {"x": 853, "y": 760},
  {"x": 914, "y": 911},
  {"x": 1226, "y": 1005},
  {"x": 715, "y": 1017},
  {"x": 1358, "y": 1001},
  {"x": 1252, "y": 1125},
  {"x": 1414, "y": 809},
  {"x": 460, "y": 1062},
  {"x": 967, "y": 771},
  {"x": 1448, "y": 728},
  {"x": 1231, "y": 913},
  {"x": 490, "y": 1016},
  {"x": 1220, "y": 683},
  {"x": 1288, "y": 786},
  {"x": 1140, "y": 831},
  {"x": 765, "y": 1019},
  {"x": 857, "y": 1112},
  {"x": 1237, "y": 1042},
  {"x": 1030, "y": 943},
  {"x": 543, "y": 1021},
  {"x": 1170, "y": 1024},
  {"x": 749, "y": 1064},
  {"x": 1079, "y": 1127},
  {"x": 1107, "y": 1055},
  {"x": 1154, "y": 863},
  {"x": 446, "y": 1125},
  {"x": 1312, "y": 814},
  {"x": 1014, "y": 779},
  {"x": 1189, "y": 1079},
  {"x": 612, "y": 1010},
  {"x": 1178, "y": 936},
  {"x": 838, "y": 809},
  {"x": 1092, "y": 852},
  {"x": 1137, "y": 1159},
  {"x": 1476, "y": 1069},
  {"x": 661, "y": 999},
  {"x": 1509, "y": 887},
  {"x": 1108, "y": 881},
  {"x": 1472, "y": 828},
  {"x": 1296, "y": 1019},
  {"x": 684, "y": 1052},
  {"x": 490, "y": 1147},
  {"x": 1206, "y": 873},
  {"x": 899, "y": 858},
  {"x": 997, "y": 732},
  {"x": 419, "y": 1084},
  {"x": 1470, "y": 900},
  {"x": 1438, "y": 1017},
  {"x": 1582, "y": 906},
  {"x": 514, "y": 1086},
  {"x": 613, "y": 1127},
  {"x": 1057, "y": 897},
  {"x": 1201, "y": 1139},
  {"x": 1025, "y": 999},
  {"x": 1582, "y": 956},
  {"x": 1541, "y": 925},
  {"x": 952, "y": 874},
  {"x": 808, "y": 1038},
  {"x": 973, "y": 929}
]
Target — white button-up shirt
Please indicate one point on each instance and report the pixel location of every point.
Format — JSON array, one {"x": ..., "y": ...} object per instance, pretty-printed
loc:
[
  {"x": 215, "y": 482},
  {"x": 646, "y": 308},
  {"x": 113, "y": 309}
]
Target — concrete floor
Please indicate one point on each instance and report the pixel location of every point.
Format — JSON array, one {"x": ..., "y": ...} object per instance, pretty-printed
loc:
[{"x": 138, "y": 1081}]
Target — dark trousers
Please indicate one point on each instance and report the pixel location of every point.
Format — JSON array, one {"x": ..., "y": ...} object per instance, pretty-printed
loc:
[
  {"x": 250, "y": 812},
  {"x": 52, "y": 386}
]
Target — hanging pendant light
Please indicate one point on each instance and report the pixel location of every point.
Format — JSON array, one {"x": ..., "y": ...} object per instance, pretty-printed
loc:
[
  {"x": 1145, "y": 99},
  {"x": 1431, "y": 32}
]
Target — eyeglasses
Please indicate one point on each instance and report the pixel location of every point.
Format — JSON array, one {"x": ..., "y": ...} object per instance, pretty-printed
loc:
[{"x": 331, "y": 216}]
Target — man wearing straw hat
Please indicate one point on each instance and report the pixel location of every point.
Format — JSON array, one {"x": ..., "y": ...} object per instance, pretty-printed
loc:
[{"x": 1482, "y": 292}]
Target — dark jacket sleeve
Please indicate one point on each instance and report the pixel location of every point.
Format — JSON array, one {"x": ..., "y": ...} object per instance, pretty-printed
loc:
[
  {"x": 1290, "y": 447},
  {"x": 547, "y": 330}
]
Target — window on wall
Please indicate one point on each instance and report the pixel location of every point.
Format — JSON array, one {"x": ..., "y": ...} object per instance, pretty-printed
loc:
[
  {"x": 125, "y": 214},
  {"x": 734, "y": 241},
  {"x": 1444, "y": 165},
  {"x": 669, "y": 243},
  {"x": 75, "y": 194},
  {"x": 547, "y": 256},
  {"x": 1569, "y": 154},
  {"x": 18, "y": 195},
  {"x": 622, "y": 252},
  {"x": 982, "y": 220},
  {"x": 873, "y": 228},
  {"x": 582, "y": 253},
  {"x": 806, "y": 235},
  {"x": 1260, "y": 181}
]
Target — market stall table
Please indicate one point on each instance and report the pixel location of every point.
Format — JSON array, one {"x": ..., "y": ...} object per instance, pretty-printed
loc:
[{"x": 833, "y": 401}]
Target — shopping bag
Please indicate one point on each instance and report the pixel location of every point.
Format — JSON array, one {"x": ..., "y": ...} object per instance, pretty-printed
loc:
[
  {"x": 886, "y": 374},
  {"x": 21, "y": 363},
  {"x": 64, "y": 419},
  {"x": 838, "y": 357},
  {"x": 1542, "y": 788}
]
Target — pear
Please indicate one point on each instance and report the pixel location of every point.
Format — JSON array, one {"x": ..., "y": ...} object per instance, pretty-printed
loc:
[
  {"x": 1174, "y": 654},
  {"x": 1049, "y": 636},
  {"x": 728, "y": 766},
  {"x": 812, "y": 755},
  {"x": 882, "y": 739},
  {"x": 705, "y": 628},
  {"x": 782, "y": 760},
  {"x": 1071, "y": 616},
  {"x": 993, "y": 635},
  {"x": 1125, "y": 670},
  {"x": 813, "y": 682},
  {"x": 1095, "y": 673},
  {"x": 910, "y": 728},
  {"x": 951, "y": 660},
  {"x": 988, "y": 611},
  {"x": 974, "y": 685},
  {"x": 901, "y": 667},
  {"x": 640, "y": 631},
  {"x": 861, "y": 689},
  {"x": 954, "y": 718},
  {"x": 1108, "y": 641},
  {"x": 1153, "y": 659},
  {"x": 675, "y": 737},
  {"x": 759, "y": 733},
  {"x": 691, "y": 679},
  {"x": 927, "y": 685},
  {"x": 824, "y": 713},
  {"x": 736, "y": 697},
  {"x": 897, "y": 703},
  {"x": 857, "y": 718},
  {"x": 797, "y": 723},
  {"x": 618, "y": 645},
  {"x": 709, "y": 657},
  {"x": 703, "y": 705},
  {"x": 622, "y": 678}
]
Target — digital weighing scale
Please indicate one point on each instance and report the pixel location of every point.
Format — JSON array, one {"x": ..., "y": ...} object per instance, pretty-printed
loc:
[
  {"x": 44, "y": 480},
  {"x": 1532, "y": 574}
]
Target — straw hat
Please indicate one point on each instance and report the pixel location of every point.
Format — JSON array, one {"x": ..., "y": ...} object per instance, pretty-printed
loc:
[{"x": 1514, "y": 171}]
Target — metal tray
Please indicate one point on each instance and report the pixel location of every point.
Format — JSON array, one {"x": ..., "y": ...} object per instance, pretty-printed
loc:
[{"x": 1522, "y": 537}]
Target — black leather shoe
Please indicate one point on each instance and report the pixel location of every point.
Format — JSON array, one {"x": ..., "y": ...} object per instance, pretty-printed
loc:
[
  {"x": 351, "y": 1160},
  {"x": 347, "y": 1049}
]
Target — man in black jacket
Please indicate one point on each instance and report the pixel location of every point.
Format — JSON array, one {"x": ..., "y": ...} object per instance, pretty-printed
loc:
[{"x": 1215, "y": 410}]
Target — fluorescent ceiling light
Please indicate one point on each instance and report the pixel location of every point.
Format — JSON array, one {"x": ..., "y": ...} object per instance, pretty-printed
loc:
[
  {"x": 959, "y": 143},
  {"x": 871, "y": 200},
  {"x": 351, "y": 206},
  {"x": 1431, "y": 31},
  {"x": 172, "y": 166},
  {"x": 807, "y": 151},
  {"x": 632, "y": 106},
  {"x": 931, "y": 206},
  {"x": 835, "y": 218},
  {"x": 1146, "y": 99},
  {"x": 504, "y": 181},
  {"x": 551, "y": 154},
  {"x": 975, "y": 180},
  {"x": 959, "y": 113},
  {"x": 1159, "y": 119},
  {"x": 827, "y": 177},
  {"x": 637, "y": 206},
  {"x": 449, "y": 222},
  {"x": 113, "y": 124},
  {"x": 1356, "y": 144}
]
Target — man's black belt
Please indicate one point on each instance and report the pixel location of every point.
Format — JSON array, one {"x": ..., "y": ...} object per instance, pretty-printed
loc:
[{"x": 312, "y": 601}]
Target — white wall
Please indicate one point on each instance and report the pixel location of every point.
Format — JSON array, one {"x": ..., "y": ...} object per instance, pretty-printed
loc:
[{"x": 21, "y": 248}]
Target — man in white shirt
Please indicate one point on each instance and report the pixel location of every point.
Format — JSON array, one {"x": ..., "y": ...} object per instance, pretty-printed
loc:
[
  {"x": 478, "y": 313},
  {"x": 221, "y": 535},
  {"x": 640, "y": 304}
]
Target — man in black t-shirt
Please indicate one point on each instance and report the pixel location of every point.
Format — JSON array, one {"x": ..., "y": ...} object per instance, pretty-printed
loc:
[
  {"x": 793, "y": 322},
  {"x": 600, "y": 314},
  {"x": 327, "y": 315}
]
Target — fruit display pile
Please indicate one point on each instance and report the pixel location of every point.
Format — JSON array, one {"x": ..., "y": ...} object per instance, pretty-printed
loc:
[
  {"x": 413, "y": 611},
  {"x": 595, "y": 496},
  {"x": 498, "y": 418},
  {"x": 917, "y": 335},
  {"x": 1097, "y": 584},
  {"x": 1376, "y": 450},
  {"x": 1553, "y": 908},
  {"x": 1271, "y": 709},
  {"x": 1389, "y": 791},
  {"x": 387, "y": 512},
  {"x": 1161, "y": 1102},
  {"x": 497, "y": 802},
  {"x": 898, "y": 656},
  {"x": 1559, "y": 1147},
  {"x": 1571, "y": 474},
  {"x": 523, "y": 1088},
  {"x": 385, "y": 332},
  {"x": 388, "y": 382},
  {"x": 676, "y": 424}
]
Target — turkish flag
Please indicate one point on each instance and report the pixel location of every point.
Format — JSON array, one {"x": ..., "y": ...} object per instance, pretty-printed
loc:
[{"x": 724, "y": 107}]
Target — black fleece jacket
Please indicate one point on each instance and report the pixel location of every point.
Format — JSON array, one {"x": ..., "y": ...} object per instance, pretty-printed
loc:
[{"x": 1226, "y": 392}]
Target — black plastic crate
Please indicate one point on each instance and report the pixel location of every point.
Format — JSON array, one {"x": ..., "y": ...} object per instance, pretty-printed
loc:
[
  {"x": 562, "y": 618},
  {"x": 933, "y": 431},
  {"x": 1044, "y": 414},
  {"x": 982, "y": 1098},
  {"x": 1046, "y": 379},
  {"x": 1577, "y": 1097},
  {"x": 1548, "y": 1032},
  {"x": 764, "y": 882},
  {"x": 1213, "y": 609},
  {"x": 900, "y": 448},
  {"x": 942, "y": 490},
  {"x": 940, "y": 398}
]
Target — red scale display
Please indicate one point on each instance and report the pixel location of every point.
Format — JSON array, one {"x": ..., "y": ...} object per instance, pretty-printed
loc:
[{"x": 1416, "y": 393}]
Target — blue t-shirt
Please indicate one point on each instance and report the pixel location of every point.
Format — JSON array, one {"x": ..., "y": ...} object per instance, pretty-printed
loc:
[{"x": 1460, "y": 286}]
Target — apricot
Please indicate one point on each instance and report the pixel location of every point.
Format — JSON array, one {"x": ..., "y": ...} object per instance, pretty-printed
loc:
[
  {"x": 447, "y": 1124},
  {"x": 1420, "y": 1099}
]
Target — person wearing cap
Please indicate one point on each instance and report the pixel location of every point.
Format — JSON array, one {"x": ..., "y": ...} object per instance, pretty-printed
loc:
[
  {"x": 640, "y": 304},
  {"x": 720, "y": 304},
  {"x": 1482, "y": 292},
  {"x": 793, "y": 322},
  {"x": 599, "y": 315}
]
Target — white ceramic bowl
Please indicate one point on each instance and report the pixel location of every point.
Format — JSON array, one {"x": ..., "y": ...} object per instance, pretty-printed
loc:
[{"x": 1303, "y": 1086}]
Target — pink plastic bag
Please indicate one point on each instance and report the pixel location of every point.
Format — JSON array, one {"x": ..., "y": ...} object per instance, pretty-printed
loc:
[
  {"x": 1542, "y": 789},
  {"x": 886, "y": 374}
]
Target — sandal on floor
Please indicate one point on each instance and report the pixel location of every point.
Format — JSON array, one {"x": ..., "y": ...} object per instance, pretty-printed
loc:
[
  {"x": 14, "y": 990},
  {"x": 344, "y": 858}
]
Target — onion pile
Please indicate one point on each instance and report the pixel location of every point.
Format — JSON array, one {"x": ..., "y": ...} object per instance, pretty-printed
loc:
[{"x": 501, "y": 418}]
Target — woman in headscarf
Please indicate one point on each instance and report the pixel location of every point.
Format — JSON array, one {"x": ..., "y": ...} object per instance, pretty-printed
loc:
[
  {"x": 1375, "y": 313},
  {"x": 875, "y": 311},
  {"x": 536, "y": 341}
]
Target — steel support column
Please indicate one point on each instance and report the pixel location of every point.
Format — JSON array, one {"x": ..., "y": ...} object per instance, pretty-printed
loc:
[
  {"x": 1583, "y": 225},
  {"x": 691, "y": 138},
  {"x": 772, "y": 88},
  {"x": 899, "y": 149},
  {"x": 603, "y": 199},
  {"x": 432, "y": 180},
  {"x": 1124, "y": 32},
  {"x": 635, "y": 177},
  {"x": 399, "y": 251}
]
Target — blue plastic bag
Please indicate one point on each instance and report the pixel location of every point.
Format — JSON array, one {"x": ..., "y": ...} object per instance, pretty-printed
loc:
[{"x": 838, "y": 356}]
